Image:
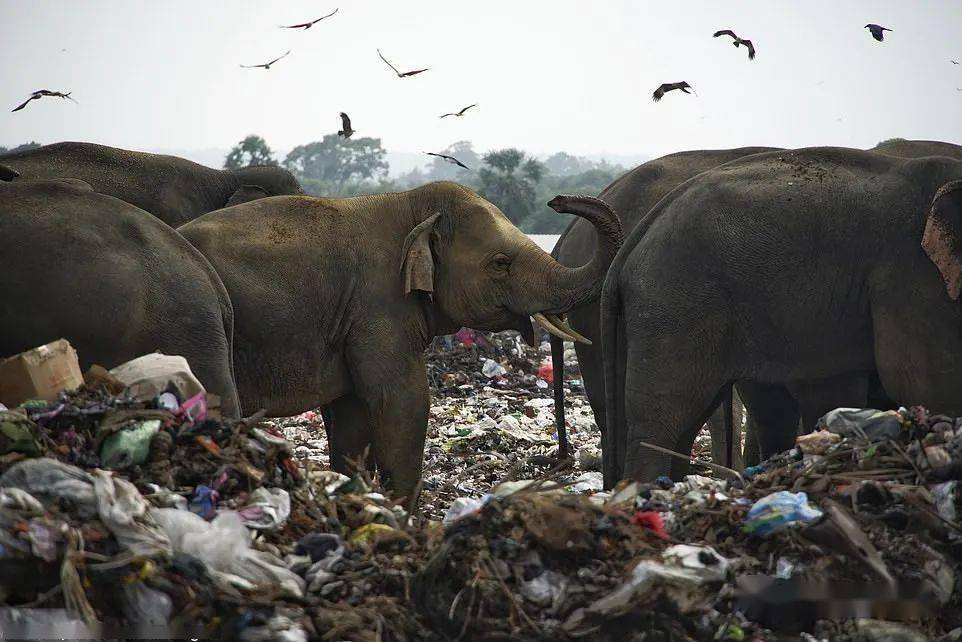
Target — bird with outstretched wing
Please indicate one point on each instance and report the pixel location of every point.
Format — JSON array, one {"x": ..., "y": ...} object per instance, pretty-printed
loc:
[
  {"x": 737, "y": 41},
  {"x": 346, "y": 130},
  {"x": 308, "y": 25},
  {"x": 670, "y": 86},
  {"x": 400, "y": 74},
  {"x": 41, "y": 93},
  {"x": 267, "y": 65},
  {"x": 458, "y": 113},
  {"x": 449, "y": 159}
]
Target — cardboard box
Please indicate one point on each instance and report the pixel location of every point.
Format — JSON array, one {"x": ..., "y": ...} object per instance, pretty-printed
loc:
[{"x": 41, "y": 373}]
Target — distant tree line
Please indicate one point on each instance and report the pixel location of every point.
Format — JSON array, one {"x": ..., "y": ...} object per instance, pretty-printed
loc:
[
  {"x": 511, "y": 179},
  {"x": 19, "y": 148}
]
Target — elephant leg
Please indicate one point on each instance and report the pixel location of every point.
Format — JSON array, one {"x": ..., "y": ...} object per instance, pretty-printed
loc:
[
  {"x": 775, "y": 414},
  {"x": 818, "y": 396},
  {"x": 394, "y": 389},
  {"x": 349, "y": 434}
]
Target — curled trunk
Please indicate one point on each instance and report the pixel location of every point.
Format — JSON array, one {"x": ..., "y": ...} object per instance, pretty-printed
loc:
[{"x": 573, "y": 287}]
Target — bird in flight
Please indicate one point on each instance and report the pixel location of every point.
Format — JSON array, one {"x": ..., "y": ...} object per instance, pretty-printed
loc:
[
  {"x": 308, "y": 25},
  {"x": 877, "y": 31},
  {"x": 40, "y": 93},
  {"x": 954, "y": 62},
  {"x": 459, "y": 113},
  {"x": 670, "y": 86},
  {"x": 737, "y": 41},
  {"x": 400, "y": 74},
  {"x": 267, "y": 65},
  {"x": 346, "y": 130},
  {"x": 449, "y": 159}
]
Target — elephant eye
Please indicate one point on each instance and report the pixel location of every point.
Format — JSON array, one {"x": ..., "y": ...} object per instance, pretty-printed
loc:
[{"x": 501, "y": 261}]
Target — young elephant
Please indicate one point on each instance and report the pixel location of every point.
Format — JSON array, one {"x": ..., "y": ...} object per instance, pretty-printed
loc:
[
  {"x": 336, "y": 300},
  {"x": 786, "y": 267},
  {"x": 173, "y": 189},
  {"x": 113, "y": 280}
]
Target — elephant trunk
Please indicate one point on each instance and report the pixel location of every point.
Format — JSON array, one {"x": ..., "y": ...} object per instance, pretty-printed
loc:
[{"x": 574, "y": 287}]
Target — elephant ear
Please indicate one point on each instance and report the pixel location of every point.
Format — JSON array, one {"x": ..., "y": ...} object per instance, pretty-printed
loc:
[
  {"x": 417, "y": 261},
  {"x": 246, "y": 193},
  {"x": 8, "y": 173},
  {"x": 942, "y": 240}
]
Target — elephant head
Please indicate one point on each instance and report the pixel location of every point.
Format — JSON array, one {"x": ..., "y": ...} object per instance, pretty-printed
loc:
[
  {"x": 483, "y": 272},
  {"x": 258, "y": 181}
]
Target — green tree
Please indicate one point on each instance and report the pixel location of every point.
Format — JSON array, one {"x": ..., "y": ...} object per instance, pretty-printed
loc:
[
  {"x": 508, "y": 179},
  {"x": 544, "y": 220},
  {"x": 890, "y": 140},
  {"x": 253, "y": 150},
  {"x": 336, "y": 165}
]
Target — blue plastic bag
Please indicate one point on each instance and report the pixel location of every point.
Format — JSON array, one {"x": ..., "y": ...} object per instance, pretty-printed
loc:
[{"x": 779, "y": 510}]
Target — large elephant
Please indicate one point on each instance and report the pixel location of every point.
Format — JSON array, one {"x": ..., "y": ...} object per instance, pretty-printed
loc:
[
  {"x": 173, "y": 189},
  {"x": 114, "y": 281},
  {"x": 781, "y": 268},
  {"x": 631, "y": 195},
  {"x": 335, "y": 301}
]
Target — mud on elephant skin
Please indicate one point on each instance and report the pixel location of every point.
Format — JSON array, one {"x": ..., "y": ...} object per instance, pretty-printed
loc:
[
  {"x": 783, "y": 267},
  {"x": 114, "y": 281},
  {"x": 337, "y": 298},
  {"x": 173, "y": 189}
]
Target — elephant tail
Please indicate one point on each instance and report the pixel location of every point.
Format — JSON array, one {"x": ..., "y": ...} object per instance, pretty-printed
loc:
[{"x": 558, "y": 370}]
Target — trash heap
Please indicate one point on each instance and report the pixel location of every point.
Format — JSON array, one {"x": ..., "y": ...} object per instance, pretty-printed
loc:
[{"x": 148, "y": 514}]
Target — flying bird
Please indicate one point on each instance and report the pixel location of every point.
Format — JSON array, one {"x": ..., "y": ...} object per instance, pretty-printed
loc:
[
  {"x": 267, "y": 65},
  {"x": 459, "y": 113},
  {"x": 877, "y": 31},
  {"x": 670, "y": 86},
  {"x": 346, "y": 130},
  {"x": 449, "y": 159},
  {"x": 40, "y": 93},
  {"x": 400, "y": 74},
  {"x": 954, "y": 62},
  {"x": 737, "y": 41},
  {"x": 308, "y": 25}
]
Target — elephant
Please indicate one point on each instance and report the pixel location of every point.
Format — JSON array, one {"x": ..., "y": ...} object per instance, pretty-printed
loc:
[
  {"x": 112, "y": 280},
  {"x": 173, "y": 189},
  {"x": 631, "y": 195},
  {"x": 791, "y": 267},
  {"x": 336, "y": 299}
]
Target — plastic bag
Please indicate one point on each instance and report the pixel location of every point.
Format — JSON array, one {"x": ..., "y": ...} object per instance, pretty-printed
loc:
[
  {"x": 224, "y": 546},
  {"x": 49, "y": 478},
  {"x": 148, "y": 376},
  {"x": 460, "y": 508},
  {"x": 774, "y": 512},
  {"x": 492, "y": 369},
  {"x": 266, "y": 509},
  {"x": 129, "y": 447},
  {"x": 876, "y": 424},
  {"x": 127, "y": 515}
]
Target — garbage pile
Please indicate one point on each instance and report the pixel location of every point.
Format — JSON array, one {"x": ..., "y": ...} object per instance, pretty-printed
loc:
[{"x": 131, "y": 508}]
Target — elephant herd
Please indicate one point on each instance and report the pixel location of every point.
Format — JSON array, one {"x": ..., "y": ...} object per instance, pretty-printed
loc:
[
  {"x": 291, "y": 301},
  {"x": 808, "y": 279}
]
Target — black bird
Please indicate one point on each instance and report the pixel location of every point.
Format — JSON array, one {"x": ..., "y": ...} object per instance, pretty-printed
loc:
[
  {"x": 670, "y": 86},
  {"x": 40, "y": 93},
  {"x": 954, "y": 62},
  {"x": 459, "y": 113},
  {"x": 449, "y": 159},
  {"x": 346, "y": 130},
  {"x": 267, "y": 65},
  {"x": 737, "y": 41},
  {"x": 877, "y": 31},
  {"x": 400, "y": 74},
  {"x": 308, "y": 25}
]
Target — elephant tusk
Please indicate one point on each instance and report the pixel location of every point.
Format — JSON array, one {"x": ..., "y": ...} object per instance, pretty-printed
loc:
[
  {"x": 551, "y": 328},
  {"x": 562, "y": 325}
]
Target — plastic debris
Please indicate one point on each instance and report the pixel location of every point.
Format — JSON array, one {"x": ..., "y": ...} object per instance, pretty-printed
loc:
[
  {"x": 875, "y": 425},
  {"x": 779, "y": 510}
]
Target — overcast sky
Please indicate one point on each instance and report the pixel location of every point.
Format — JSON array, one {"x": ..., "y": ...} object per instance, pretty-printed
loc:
[{"x": 548, "y": 74}]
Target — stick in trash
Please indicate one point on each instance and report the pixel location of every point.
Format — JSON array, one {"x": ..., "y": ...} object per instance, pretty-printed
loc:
[{"x": 707, "y": 464}]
